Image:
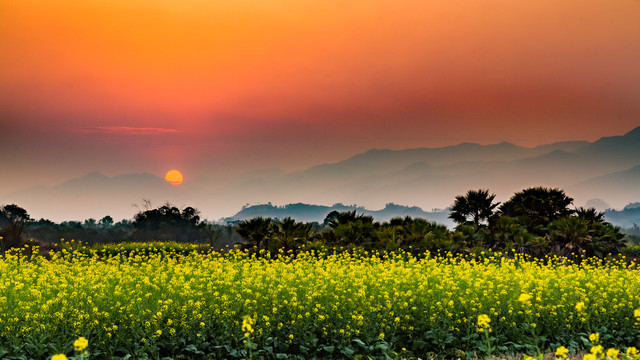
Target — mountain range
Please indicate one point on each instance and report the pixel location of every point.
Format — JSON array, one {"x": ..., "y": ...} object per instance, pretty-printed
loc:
[
  {"x": 607, "y": 170},
  {"x": 317, "y": 213}
]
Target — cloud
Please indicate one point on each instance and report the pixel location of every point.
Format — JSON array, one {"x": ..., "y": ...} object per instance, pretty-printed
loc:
[{"x": 128, "y": 130}]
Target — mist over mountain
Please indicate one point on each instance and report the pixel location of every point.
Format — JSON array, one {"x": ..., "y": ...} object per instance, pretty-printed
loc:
[{"x": 607, "y": 169}]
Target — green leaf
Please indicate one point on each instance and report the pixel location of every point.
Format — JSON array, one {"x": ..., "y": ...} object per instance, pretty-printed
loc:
[
  {"x": 348, "y": 351},
  {"x": 328, "y": 349},
  {"x": 281, "y": 356},
  {"x": 359, "y": 342},
  {"x": 194, "y": 349},
  {"x": 382, "y": 346}
]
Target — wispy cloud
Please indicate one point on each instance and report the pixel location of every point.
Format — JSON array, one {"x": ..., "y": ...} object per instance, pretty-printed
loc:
[{"x": 127, "y": 130}]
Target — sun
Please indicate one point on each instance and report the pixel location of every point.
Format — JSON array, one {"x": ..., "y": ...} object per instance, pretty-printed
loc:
[{"x": 173, "y": 177}]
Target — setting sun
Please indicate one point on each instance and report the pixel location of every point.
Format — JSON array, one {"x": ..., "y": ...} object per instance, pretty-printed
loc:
[{"x": 174, "y": 177}]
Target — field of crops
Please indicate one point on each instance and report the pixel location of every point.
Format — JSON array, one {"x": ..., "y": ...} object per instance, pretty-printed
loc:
[{"x": 153, "y": 301}]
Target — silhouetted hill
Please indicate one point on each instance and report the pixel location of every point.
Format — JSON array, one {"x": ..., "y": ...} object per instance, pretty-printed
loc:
[
  {"x": 317, "y": 213},
  {"x": 424, "y": 177},
  {"x": 626, "y": 218},
  {"x": 618, "y": 187},
  {"x": 433, "y": 176},
  {"x": 94, "y": 196}
]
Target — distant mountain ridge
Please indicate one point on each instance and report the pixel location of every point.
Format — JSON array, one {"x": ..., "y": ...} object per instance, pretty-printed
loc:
[
  {"x": 96, "y": 195},
  {"x": 317, "y": 213},
  {"x": 626, "y": 218},
  {"x": 427, "y": 178}
]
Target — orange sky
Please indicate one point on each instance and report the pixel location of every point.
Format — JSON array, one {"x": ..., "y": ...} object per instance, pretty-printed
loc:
[{"x": 218, "y": 86}]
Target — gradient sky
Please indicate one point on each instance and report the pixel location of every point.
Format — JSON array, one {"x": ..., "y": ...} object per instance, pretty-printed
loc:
[{"x": 217, "y": 87}]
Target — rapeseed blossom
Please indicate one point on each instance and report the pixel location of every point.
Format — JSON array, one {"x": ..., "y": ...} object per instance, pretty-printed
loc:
[
  {"x": 612, "y": 353},
  {"x": 246, "y": 326},
  {"x": 80, "y": 344},
  {"x": 483, "y": 323},
  {"x": 152, "y": 298},
  {"x": 525, "y": 299},
  {"x": 562, "y": 352},
  {"x": 595, "y": 350}
]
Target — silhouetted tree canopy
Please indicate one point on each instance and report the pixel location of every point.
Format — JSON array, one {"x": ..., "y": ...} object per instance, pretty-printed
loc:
[
  {"x": 256, "y": 232},
  {"x": 475, "y": 207},
  {"x": 166, "y": 222},
  {"x": 537, "y": 206},
  {"x": 13, "y": 223}
]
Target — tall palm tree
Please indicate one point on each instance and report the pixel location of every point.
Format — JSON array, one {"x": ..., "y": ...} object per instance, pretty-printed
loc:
[
  {"x": 256, "y": 231},
  {"x": 475, "y": 207},
  {"x": 591, "y": 215},
  {"x": 569, "y": 235},
  {"x": 506, "y": 233},
  {"x": 334, "y": 219},
  {"x": 288, "y": 233},
  {"x": 536, "y": 207}
]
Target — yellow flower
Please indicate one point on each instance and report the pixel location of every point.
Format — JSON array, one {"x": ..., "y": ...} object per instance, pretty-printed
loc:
[
  {"x": 589, "y": 357},
  {"x": 632, "y": 351},
  {"x": 596, "y": 350},
  {"x": 613, "y": 353},
  {"x": 80, "y": 344},
  {"x": 562, "y": 352},
  {"x": 636, "y": 313},
  {"x": 594, "y": 338},
  {"x": 483, "y": 321},
  {"x": 525, "y": 298},
  {"x": 246, "y": 324},
  {"x": 59, "y": 357},
  {"x": 580, "y": 306}
]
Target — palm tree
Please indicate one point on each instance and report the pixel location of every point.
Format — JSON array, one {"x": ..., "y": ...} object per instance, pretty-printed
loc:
[
  {"x": 475, "y": 207},
  {"x": 351, "y": 228},
  {"x": 591, "y": 215},
  {"x": 506, "y": 233},
  {"x": 256, "y": 231},
  {"x": 334, "y": 219},
  {"x": 288, "y": 233},
  {"x": 536, "y": 207},
  {"x": 569, "y": 235}
]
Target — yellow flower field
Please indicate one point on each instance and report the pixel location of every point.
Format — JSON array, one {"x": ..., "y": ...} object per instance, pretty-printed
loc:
[{"x": 314, "y": 305}]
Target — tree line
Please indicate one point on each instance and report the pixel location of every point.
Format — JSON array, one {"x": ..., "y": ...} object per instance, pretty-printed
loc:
[
  {"x": 164, "y": 223},
  {"x": 535, "y": 221}
]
